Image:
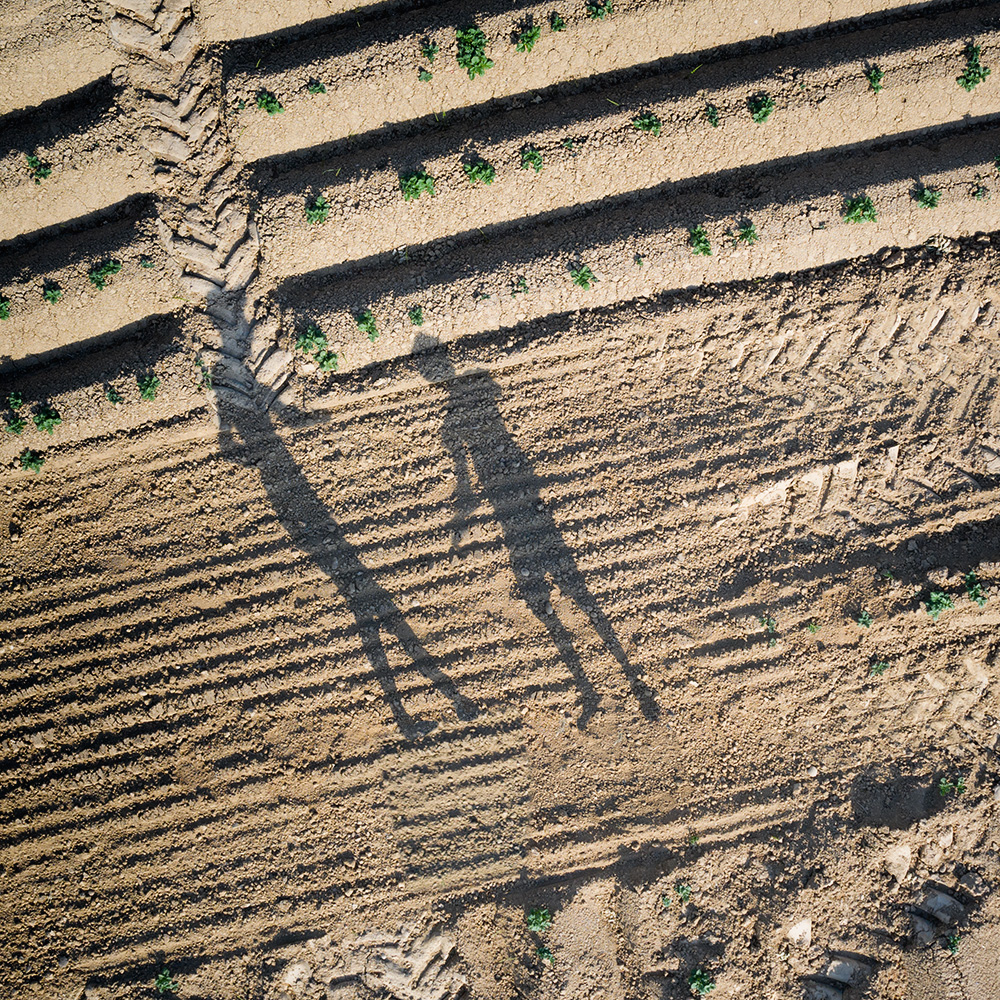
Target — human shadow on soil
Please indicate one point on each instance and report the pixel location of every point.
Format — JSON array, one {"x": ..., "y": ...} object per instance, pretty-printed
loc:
[
  {"x": 314, "y": 529},
  {"x": 475, "y": 435}
]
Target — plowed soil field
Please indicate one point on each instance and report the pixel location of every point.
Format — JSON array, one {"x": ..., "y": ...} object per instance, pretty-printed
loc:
[{"x": 501, "y": 501}]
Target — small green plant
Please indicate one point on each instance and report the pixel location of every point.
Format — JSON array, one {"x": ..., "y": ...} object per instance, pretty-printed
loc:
[
  {"x": 761, "y": 107},
  {"x": 520, "y": 286},
  {"x": 146, "y": 262},
  {"x": 315, "y": 87},
  {"x": 647, "y": 122},
  {"x": 4, "y": 307},
  {"x": 570, "y": 145},
  {"x": 693, "y": 839},
  {"x": 416, "y": 315},
  {"x": 859, "y": 209},
  {"x": 952, "y": 942},
  {"x": 326, "y": 360},
  {"x": 366, "y": 324},
  {"x": 865, "y": 618},
  {"x": 928, "y": 197},
  {"x": 479, "y": 170},
  {"x": 317, "y": 211},
  {"x": 545, "y": 954},
  {"x": 425, "y": 76},
  {"x": 52, "y": 293},
  {"x": 100, "y": 273},
  {"x": 700, "y": 245},
  {"x": 598, "y": 10},
  {"x": 266, "y": 101},
  {"x": 313, "y": 341},
  {"x": 556, "y": 22},
  {"x": 31, "y": 460},
  {"x": 770, "y": 625},
  {"x": 531, "y": 158},
  {"x": 39, "y": 170},
  {"x": 148, "y": 384},
  {"x": 712, "y": 114},
  {"x": 878, "y": 668},
  {"x": 746, "y": 234},
  {"x": 886, "y": 574},
  {"x": 683, "y": 892},
  {"x": 429, "y": 49},
  {"x": 980, "y": 192},
  {"x": 639, "y": 259},
  {"x": 946, "y": 787},
  {"x": 204, "y": 373},
  {"x": 813, "y": 626},
  {"x": 539, "y": 919},
  {"x": 975, "y": 72},
  {"x": 164, "y": 983},
  {"x": 582, "y": 276},
  {"x": 701, "y": 982},
  {"x": 975, "y": 589},
  {"x": 472, "y": 51},
  {"x": 47, "y": 419},
  {"x": 527, "y": 37},
  {"x": 113, "y": 396},
  {"x": 15, "y": 425},
  {"x": 938, "y": 601},
  {"x": 416, "y": 183},
  {"x": 874, "y": 76}
]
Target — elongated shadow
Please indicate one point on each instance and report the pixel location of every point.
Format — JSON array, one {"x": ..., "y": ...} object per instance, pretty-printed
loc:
[
  {"x": 477, "y": 438},
  {"x": 314, "y": 529}
]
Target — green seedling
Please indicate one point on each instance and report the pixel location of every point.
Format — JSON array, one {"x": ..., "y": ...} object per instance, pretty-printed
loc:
[
  {"x": 269, "y": 103},
  {"x": 312, "y": 339},
  {"x": 52, "y": 293},
  {"x": 570, "y": 145},
  {"x": 878, "y": 668},
  {"x": 598, "y": 10},
  {"x": 974, "y": 589},
  {"x": 946, "y": 787},
  {"x": 647, "y": 122},
  {"x": 4, "y": 307},
  {"x": 980, "y": 192},
  {"x": 683, "y": 892},
  {"x": 761, "y": 107},
  {"x": 164, "y": 983},
  {"x": 527, "y": 37},
  {"x": 15, "y": 425},
  {"x": 700, "y": 245},
  {"x": 47, "y": 419},
  {"x": 416, "y": 183},
  {"x": 416, "y": 315},
  {"x": 545, "y": 954},
  {"x": 315, "y": 87},
  {"x": 146, "y": 262},
  {"x": 975, "y": 72},
  {"x": 770, "y": 629},
  {"x": 937, "y": 602},
  {"x": 429, "y": 49},
  {"x": 425, "y": 76},
  {"x": 712, "y": 114},
  {"x": 693, "y": 839},
  {"x": 874, "y": 76},
  {"x": 701, "y": 982},
  {"x": 952, "y": 942},
  {"x": 556, "y": 22},
  {"x": 520, "y": 286},
  {"x": 15, "y": 400},
  {"x": 148, "y": 384},
  {"x": 39, "y": 170},
  {"x": 366, "y": 324},
  {"x": 859, "y": 209},
  {"x": 204, "y": 373},
  {"x": 928, "y": 197},
  {"x": 813, "y": 627},
  {"x": 531, "y": 158},
  {"x": 539, "y": 919},
  {"x": 582, "y": 276},
  {"x": 326, "y": 360},
  {"x": 639, "y": 259},
  {"x": 317, "y": 211},
  {"x": 479, "y": 170},
  {"x": 113, "y": 396},
  {"x": 865, "y": 619},
  {"x": 472, "y": 51},
  {"x": 100, "y": 273},
  {"x": 31, "y": 460},
  {"x": 887, "y": 574},
  {"x": 746, "y": 234}
]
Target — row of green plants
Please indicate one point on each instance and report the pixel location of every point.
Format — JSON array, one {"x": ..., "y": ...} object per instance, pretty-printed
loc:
[{"x": 99, "y": 275}]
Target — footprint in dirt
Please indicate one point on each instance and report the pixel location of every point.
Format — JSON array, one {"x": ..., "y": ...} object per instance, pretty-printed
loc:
[{"x": 885, "y": 797}]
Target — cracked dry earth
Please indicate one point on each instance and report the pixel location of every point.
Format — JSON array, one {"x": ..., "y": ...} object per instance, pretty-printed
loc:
[{"x": 319, "y": 677}]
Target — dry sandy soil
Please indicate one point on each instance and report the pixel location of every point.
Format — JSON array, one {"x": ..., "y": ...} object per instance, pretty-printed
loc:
[{"x": 317, "y": 677}]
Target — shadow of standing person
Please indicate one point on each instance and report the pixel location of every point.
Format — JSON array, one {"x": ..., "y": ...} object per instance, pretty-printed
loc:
[
  {"x": 474, "y": 433},
  {"x": 313, "y": 528}
]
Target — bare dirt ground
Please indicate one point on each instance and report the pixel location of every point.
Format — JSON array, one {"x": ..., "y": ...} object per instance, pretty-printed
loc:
[{"x": 326, "y": 666}]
